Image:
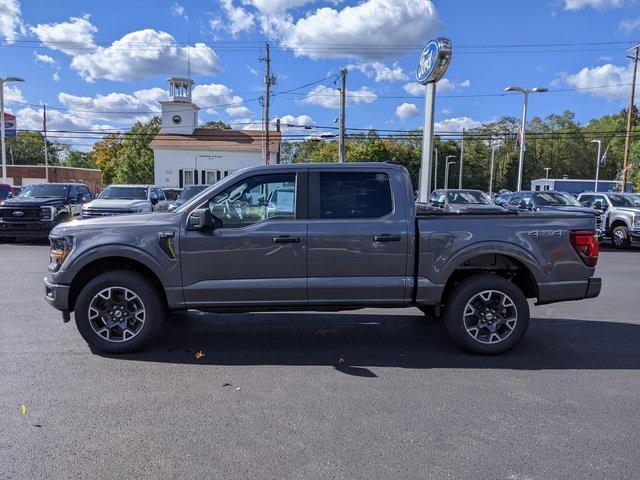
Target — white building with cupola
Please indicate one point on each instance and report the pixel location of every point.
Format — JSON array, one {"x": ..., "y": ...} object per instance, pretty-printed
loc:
[{"x": 185, "y": 154}]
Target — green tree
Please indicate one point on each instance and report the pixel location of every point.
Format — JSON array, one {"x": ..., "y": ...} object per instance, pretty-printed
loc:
[
  {"x": 134, "y": 163},
  {"x": 79, "y": 159},
  {"x": 217, "y": 124},
  {"x": 105, "y": 155},
  {"x": 27, "y": 148}
]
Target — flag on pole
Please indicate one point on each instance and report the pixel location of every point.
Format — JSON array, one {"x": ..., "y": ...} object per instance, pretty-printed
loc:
[{"x": 603, "y": 159}]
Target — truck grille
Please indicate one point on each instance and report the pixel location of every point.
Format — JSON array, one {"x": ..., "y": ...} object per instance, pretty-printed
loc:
[
  {"x": 19, "y": 214},
  {"x": 599, "y": 221},
  {"x": 103, "y": 212}
]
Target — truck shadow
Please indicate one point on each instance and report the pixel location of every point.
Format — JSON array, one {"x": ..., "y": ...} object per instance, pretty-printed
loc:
[{"x": 355, "y": 343}]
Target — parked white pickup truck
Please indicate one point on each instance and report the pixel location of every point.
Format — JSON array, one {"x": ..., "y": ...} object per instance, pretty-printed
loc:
[{"x": 125, "y": 199}]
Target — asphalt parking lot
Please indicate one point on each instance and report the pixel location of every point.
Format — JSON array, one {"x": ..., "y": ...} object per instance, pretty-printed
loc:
[{"x": 370, "y": 394}]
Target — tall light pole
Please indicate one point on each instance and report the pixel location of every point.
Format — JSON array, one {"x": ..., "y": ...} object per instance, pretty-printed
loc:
[
  {"x": 546, "y": 172},
  {"x": 4, "y": 152},
  {"x": 494, "y": 147},
  {"x": 599, "y": 142},
  {"x": 446, "y": 171},
  {"x": 525, "y": 92}
]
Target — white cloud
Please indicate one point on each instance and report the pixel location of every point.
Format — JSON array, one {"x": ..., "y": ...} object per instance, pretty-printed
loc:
[
  {"x": 407, "y": 111},
  {"x": 115, "y": 107},
  {"x": 177, "y": 10},
  {"x": 55, "y": 77},
  {"x": 456, "y": 124},
  {"x": 13, "y": 93},
  {"x": 239, "y": 19},
  {"x": 629, "y": 25},
  {"x": 125, "y": 60},
  {"x": 330, "y": 97},
  {"x": 444, "y": 85},
  {"x": 11, "y": 26},
  {"x": 72, "y": 37},
  {"x": 276, "y": 6},
  {"x": 42, "y": 58},
  {"x": 381, "y": 72},
  {"x": 213, "y": 95},
  {"x": 239, "y": 111},
  {"x": 253, "y": 71},
  {"x": 288, "y": 124},
  {"x": 610, "y": 81},
  {"x": 373, "y": 29},
  {"x": 598, "y": 4}
]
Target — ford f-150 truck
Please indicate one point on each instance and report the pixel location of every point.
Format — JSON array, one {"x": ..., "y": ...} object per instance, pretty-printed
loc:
[{"x": 343, "y": 237}]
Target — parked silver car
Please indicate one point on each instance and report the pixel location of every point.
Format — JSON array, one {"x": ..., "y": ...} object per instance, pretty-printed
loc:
[
  {"x": 126, "y": 199},
  {"x": 622, "y": 215}
]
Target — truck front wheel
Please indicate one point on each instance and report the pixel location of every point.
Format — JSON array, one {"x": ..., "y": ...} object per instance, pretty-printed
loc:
[
  {"x": 486, "y": 314},
  {"x": 620, "y": 238},
  {"x": 119, "y": 312}
]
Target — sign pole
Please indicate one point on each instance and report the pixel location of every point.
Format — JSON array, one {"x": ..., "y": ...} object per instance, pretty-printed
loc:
[
  {"x": 432, "y": 65},
  {"x": 4, "y": 153},
  {"x": 427, "y": 143}
]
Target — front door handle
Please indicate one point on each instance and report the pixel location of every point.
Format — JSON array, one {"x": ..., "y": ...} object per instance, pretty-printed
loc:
[
  {"x": 286, "y": 239},
  {"x": 385, "y": 237}
]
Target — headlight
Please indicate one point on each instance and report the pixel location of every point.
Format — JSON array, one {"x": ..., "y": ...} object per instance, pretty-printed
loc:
[
  {"x": 61, "y": 247},
  {"x": 46, "y": 213},
  {"x": 636, "y": 221}
]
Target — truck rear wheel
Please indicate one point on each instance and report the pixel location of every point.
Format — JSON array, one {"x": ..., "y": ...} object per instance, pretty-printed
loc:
[
  {"x": 119, "y": 312},
  {"x": 486, "y": 314},
  {"x": 620, "y": 238}
]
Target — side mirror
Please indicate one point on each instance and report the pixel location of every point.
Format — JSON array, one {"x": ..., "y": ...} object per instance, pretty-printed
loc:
[
  {"x": 154, "y": 200},
  {"x": 202, "y": 219},
  {"x": 523, "y": 205}
]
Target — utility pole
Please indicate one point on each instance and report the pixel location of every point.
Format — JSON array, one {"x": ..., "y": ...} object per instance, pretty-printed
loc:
[
  {"x": 627, "y": 143},
  {"x": 46, "y": 147},
  {"x": 461, "y": 161},
  {"x": 343, "y": 103},
  {"x": 269, "y": 80},
  {"x": 599, "y": 142},
  {"x": 2, "y": 132}
]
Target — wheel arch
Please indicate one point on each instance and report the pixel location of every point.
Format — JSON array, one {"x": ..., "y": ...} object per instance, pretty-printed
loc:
[{"x": 108, "y": 264}]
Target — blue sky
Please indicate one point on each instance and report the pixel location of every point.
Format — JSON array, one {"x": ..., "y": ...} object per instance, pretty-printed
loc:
[{"x": 114, "y": 57}]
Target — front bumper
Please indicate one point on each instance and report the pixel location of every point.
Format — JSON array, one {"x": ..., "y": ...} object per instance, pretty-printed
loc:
[
  {"x": 635, "y": 234},
  {"x": 35, "y": 229},
  {"x": 57, "y": 295},
  {"x": 553, "y": 292}
]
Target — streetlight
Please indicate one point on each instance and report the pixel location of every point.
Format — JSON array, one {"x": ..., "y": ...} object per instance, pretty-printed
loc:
[
  {"x": 446, "y": 171},
  {"x": 4, "y": 152},
  {"x": 525, "y": 92},
  {"x": 494, "y": 147},
  {"x": 599, "y": 142}
]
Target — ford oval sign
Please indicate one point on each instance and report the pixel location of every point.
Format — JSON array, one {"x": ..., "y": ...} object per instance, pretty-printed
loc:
[{"x": 434, "y": 61}]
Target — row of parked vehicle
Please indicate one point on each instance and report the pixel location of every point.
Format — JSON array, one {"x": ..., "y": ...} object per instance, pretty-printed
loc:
[
  {"x": 33, "y": 211},
  {"x": 617, "y": 214}
]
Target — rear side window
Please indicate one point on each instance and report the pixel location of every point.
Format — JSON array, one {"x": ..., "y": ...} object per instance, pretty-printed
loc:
[{"x": 354, "y": 195}]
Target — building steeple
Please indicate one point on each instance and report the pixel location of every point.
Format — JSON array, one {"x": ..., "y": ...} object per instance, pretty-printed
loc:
[{"x": 179, "y": 113}]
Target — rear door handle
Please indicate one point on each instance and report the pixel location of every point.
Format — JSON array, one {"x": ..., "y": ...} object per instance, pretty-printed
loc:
[
  {"x": 286, "y": 239},
  {"x": 385, "y": 237}
]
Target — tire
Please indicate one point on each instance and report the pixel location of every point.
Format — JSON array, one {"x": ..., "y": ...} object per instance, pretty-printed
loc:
[
  {"x": 620, "y": 238},
  {"x": 483, "y": 295},
  {"x": 140, "y": 309}
]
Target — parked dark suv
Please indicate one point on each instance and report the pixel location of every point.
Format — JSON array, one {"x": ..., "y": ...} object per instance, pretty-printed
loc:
[{"x": 39, "y": 208}]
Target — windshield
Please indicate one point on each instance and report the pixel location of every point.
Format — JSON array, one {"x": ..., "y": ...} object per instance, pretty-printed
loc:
[
  {"x": 555, "y": 199},
  {"x": 469, "y": 198},
  {"x": 44, "y": 191},
  {"x": 124, "y": 193},
  {"x": 635, "y": 198},
  {"x": 618, "y": 200},
  {"x": 192, "y": 191}
]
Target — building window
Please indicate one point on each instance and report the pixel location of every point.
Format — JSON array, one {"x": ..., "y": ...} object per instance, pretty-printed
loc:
[
  {"x": 188, "y": 178},
  {"x": 211, "y": 177}
]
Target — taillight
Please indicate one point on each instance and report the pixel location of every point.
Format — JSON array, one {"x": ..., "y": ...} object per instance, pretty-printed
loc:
[{"x": 586, "y": 244}]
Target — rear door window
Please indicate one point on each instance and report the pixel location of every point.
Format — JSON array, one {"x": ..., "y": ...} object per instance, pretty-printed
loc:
[{"x": 354, "y": 195}]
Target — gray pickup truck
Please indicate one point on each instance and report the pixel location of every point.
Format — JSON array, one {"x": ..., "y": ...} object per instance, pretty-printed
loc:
[{"x": 335, "y": 237}]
